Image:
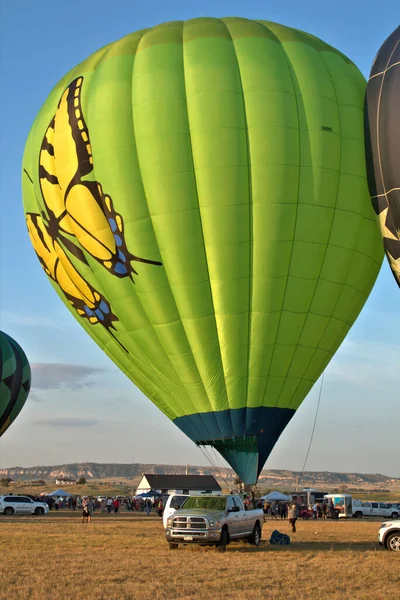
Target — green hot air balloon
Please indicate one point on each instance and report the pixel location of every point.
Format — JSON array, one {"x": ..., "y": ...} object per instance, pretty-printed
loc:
[
  {"x": 15, "y": 380},
  {"x": 197, "y": 194}
]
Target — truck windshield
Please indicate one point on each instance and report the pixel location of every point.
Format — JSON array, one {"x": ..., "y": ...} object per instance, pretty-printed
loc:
[{"x": 205, "y": 503}]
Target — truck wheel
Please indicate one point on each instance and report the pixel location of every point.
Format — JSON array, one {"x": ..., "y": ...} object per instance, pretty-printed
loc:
[
  {"x": 9, "y": 510},
  {"x": 39, "y": 510},
  {"x": 358, "y": 514},
  {"x": 393, "y": 542},
  {"x": 394, "y": 515},
  {"x": 223, "y": 541},
  {"x": 255, "y": 537},
  {"x": 173, "y": 546}
]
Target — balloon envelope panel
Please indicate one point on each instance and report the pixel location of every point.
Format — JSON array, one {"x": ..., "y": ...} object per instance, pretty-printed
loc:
[
  {"x": 15, "y": 380},
  {"x": 196, "y": 193},
  {"x": 383, "y": 145}
]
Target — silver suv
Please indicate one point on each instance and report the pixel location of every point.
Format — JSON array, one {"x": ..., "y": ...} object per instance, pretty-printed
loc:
[
  {"x": 21, "y": 505},
  {"x": 389, "y": 535}
]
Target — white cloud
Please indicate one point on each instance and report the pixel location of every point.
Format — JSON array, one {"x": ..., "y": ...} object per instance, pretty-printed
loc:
[{"x": 47, "y": 376}]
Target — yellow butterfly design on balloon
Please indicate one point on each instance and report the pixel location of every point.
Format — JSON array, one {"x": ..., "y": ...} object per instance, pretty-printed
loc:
[{"x": 78, "y": 208}]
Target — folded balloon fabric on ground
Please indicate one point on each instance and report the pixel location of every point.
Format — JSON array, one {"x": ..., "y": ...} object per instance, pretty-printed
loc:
[{"x": 197, "y": 194}]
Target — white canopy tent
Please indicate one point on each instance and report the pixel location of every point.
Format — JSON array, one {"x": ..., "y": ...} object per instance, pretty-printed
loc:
[{"x": 276, "y": 497}]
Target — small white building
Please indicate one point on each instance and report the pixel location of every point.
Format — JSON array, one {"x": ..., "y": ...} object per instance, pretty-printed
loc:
[
  {"x": 64, "y": 481},
  {"x": 178, "y": 484}
]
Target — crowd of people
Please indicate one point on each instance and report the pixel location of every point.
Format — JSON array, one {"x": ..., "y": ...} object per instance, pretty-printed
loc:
[
  {"x": 103, "y": 504},
  {"x": 292, "y": 510},
  {"x": 112, "y": 505},
  {"x": 318, "y": 510}
]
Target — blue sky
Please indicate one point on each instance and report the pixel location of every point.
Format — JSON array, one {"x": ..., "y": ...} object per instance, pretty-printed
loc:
[{"x": 81, "y": 407}]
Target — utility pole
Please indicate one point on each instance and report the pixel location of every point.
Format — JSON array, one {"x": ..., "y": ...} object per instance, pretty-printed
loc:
[{"x": 187, "y": 470}]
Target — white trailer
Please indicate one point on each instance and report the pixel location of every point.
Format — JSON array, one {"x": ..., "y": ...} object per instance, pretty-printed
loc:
[{"x": 343, "y": 504}]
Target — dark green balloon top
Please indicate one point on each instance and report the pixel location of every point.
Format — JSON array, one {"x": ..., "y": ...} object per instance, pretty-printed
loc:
[{"x": 15, "y": 380}]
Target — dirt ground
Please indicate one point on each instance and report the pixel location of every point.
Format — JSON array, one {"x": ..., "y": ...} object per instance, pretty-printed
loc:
[{"x": 125, "y": 557}]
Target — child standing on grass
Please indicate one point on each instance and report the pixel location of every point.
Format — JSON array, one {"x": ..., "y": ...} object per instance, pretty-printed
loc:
[
  {"x": 85, "y": 514},
  {"x": 87, "y": 510}
]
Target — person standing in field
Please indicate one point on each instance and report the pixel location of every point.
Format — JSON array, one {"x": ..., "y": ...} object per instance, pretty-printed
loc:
[
  {"x": 104, "y": 505},
  {"x": 160, "y": 508},
  {"x": 90, "y": 507},
  {"x": 87, "y": 510},
  {"x": 116, "y": 505},
  {"x": 148, "y": 506},
  {"x": 293, "y": 515},
  {"x": 265, "y": 507},
  {"x": 109, "y": 505}
]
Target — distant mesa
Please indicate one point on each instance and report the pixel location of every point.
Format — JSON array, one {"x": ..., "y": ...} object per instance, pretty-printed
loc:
[{"x": 69, "y": 474}]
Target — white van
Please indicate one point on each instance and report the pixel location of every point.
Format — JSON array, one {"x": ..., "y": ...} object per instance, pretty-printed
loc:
[{"x": 174, "y": 502}]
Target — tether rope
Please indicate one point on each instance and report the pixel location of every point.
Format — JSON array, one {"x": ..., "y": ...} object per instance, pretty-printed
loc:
[{"x": 313, "y": 429}]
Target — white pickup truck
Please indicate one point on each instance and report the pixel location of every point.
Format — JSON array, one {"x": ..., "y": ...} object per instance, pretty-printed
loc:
[
  {"x": 173, "y": 504},
  {"x": 213, "y": 521},
  {"x": 375, "y": 509}
]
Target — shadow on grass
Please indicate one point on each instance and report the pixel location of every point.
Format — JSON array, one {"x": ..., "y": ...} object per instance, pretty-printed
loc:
[
  {"x": 327, "y": 546},
  {"x": 74, "y": 517}
]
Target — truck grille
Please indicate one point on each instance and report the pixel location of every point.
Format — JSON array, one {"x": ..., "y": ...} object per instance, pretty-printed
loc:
[{"x": 190, "y": 523}]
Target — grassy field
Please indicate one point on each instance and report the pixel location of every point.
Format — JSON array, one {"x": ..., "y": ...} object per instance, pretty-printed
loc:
[{"x": 125, "y": 557}]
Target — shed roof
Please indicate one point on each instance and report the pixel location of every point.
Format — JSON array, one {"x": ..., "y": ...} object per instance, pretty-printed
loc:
[{"x": 182, "y": 482}]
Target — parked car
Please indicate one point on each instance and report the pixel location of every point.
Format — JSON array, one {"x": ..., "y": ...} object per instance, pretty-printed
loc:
[
  {"x": 173, "y": 503},
  {"x": 22, "y": 505},
  {"x": 375, "y": 509},
  {"x": 389, "y": 535},
  {"x": 213, "y": 521}
]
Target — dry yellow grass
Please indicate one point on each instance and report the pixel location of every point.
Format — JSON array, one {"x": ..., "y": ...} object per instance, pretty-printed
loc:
[{"x": 125, "y": 557}]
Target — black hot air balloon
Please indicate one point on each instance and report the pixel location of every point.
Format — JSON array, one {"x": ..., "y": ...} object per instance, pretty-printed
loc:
[
  {"x": 15, "y": 380},
  {"x": 382, "y": 124}
]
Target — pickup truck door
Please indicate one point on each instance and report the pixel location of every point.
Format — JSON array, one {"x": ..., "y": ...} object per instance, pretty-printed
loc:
[
  {"x": 384, "y": 510},
  {"x": 245, "y": 525},
  {"x": 234, "y": 524},
  {"x": 367, "y": 509},
  {"x": 375, "y": 512}
]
